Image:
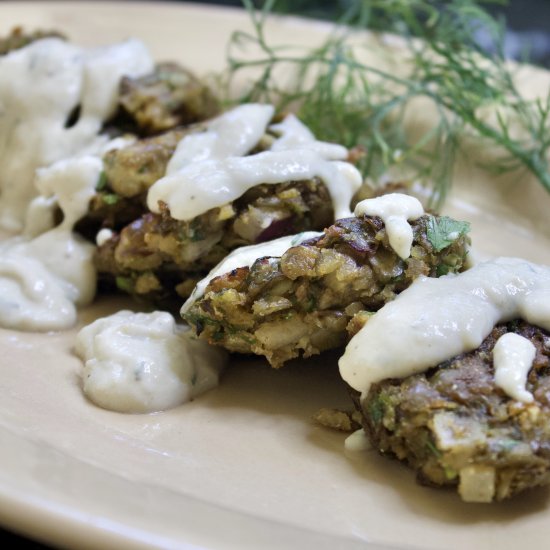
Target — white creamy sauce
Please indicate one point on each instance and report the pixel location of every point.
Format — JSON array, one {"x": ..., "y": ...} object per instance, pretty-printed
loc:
[
  {"x": 103, "y": 235},
  {"x": 49, "y": 270},
  {"x": 54, "y": 268},
  {"x": 203, "y": 185},
  {"x": 357, "y": 442},
  {"x": 72, "y": 182},
  {"x": 40, "y": 86},
  {"x": 39, "y": 216},
  {"x": 245, "y": 256},
  {"x": 31, "y": 298},
  {"x": 68, "y": 257},
  {"x": 234, "y": 133},
  {"x": 513, "y": 357},
  {"x": 208, "y": 169},
  {"x": 437, "y": 319},
  {"x": 294, "y": 134},
  {"x": 66, "y": 274},
  {"x": 68, "y": 184},
  {"x": 396, "y": 210},
  {"x": 139, "y": 362}
]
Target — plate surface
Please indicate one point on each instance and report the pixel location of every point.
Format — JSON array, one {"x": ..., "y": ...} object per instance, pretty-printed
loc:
[{"x": 243, "y": 466}]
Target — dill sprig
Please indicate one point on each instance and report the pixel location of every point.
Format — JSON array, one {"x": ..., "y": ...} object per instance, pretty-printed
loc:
[{"x": 357, "y": 103}]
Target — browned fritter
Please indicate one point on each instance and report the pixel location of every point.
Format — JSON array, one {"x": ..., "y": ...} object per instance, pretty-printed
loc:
[
  {"x": 121, "y": 195},
  {"x": 301, "y": 303},
  {"x": 132, "y": 170},
  {"x": 152, "y": 109},
  {"x": 168, "y": 253},
  {"x": 456, "y": 428},
  {"x": 169, "y": 97}
]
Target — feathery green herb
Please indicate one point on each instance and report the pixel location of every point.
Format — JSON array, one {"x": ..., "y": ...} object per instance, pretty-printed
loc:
[{"x": 345, "y": 99}]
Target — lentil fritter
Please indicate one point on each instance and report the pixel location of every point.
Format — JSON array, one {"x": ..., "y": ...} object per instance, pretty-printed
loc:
[
  {"x": 302, "y": 302},
  {"x": 170, "y": 97},
  {"x": 159, "y": 258},
  {"x": 456, "y": 428}
]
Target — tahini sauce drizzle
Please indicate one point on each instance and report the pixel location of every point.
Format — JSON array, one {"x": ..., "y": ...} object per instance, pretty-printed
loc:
[
  {"x": 396, "y": 210},
  {"x": 513, "y": 357},
  {"x": 40, "y": 86},
  {"x": 437, "y": 319},
  {"x": 207, "y": 172},
  {"x": 43, "y": 279},
  {"x": 245, "y": 256},
  {"x": 233, "y": 133},
  {"x": 48, "y": 271}
]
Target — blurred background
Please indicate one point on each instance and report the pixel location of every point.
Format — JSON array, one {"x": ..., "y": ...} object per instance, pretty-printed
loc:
[{"x": 527, "y": 22}]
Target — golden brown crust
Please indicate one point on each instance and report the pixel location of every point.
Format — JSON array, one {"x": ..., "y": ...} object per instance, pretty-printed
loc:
[
  {"x": 454, "y": 426},
  {"x": 302, "y": 303}
]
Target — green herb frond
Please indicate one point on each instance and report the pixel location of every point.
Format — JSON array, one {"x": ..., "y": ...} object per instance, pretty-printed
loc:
[{"x": 346, "y": 99}]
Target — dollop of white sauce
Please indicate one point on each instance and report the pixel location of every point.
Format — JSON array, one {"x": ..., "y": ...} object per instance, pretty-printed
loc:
[
  {"x": 40, "y": 86},
  {"x": 144, "y": 362},
  {"x": 513, "y": 357},
  {"x": 245, "y": 256},
  {"x": 103, "y": 235},
  {"x": 396, "y": 210},
  {"x": 357, "y": 442},
  {"x": 208, "y": 170},
  {"x": 436, "y": 319}
]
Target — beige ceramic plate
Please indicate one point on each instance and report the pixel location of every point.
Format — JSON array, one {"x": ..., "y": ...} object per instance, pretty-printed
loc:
[{"x": 243, "y": 467}]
